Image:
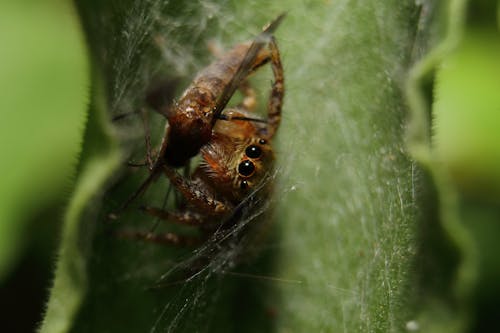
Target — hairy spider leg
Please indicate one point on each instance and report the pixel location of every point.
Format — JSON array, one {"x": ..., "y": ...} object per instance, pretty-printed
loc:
[
  {"x": 249, "y": 101},
  {"x": 203, "y": 200},
  {"x": 178, "y": 217},
  {"x": 168, "y": 238},
  {"x": 248, "y": 65},
  {"x": 147, "y": 138},
  {"x": 277, "y": 92},
  {"x": 276, "y": 96}
]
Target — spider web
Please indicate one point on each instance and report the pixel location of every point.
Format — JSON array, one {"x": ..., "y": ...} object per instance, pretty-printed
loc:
[
  {"x": 149, "y": 41},
  {"x": 342, "y": 163}
]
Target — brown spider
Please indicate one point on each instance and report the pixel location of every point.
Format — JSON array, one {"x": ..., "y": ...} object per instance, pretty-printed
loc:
[{"x": 236, "y": 151}]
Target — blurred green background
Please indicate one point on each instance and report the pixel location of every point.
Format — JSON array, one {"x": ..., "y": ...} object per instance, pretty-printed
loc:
[{"x": 44, "y": 89}]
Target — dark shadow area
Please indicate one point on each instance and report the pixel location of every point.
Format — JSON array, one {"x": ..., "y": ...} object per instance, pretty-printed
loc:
[{"x": 23, "y": 295}]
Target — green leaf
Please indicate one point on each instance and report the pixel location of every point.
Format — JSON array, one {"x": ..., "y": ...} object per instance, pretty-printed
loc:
[
  {"x": 351, "y": 208},
  {"x": 44, "y": 82},
  {"x": 100, "y": 157},
  {"x": 454, "y": 90}
]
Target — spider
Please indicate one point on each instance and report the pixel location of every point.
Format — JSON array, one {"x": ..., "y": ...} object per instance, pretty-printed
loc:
[{"x": 235, "y": 146}]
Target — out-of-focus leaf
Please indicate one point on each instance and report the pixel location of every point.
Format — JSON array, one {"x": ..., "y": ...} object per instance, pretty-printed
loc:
[
  {"x": 454, "y": 91},
  {"x": 44, "y": 87},
  {"x": 100, "y": 158},
  {"x": 342, "y": 255}
]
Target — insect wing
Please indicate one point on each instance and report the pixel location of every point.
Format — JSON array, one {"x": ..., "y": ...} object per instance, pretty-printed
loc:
[{"x": 246, "y": 65}]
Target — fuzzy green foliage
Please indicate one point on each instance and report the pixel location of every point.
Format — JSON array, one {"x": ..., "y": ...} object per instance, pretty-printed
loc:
[
  {"x": 360, "y": 238},
  {"x": 343, "y": 245},
  {"x": 456, "y": 87},
  {"x": 43, "y": 108}
]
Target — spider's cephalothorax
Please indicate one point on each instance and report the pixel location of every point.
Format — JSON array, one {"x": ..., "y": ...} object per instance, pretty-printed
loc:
[
  {"x": 237, "y": 158},
  {"x": 236, "y": 150}
]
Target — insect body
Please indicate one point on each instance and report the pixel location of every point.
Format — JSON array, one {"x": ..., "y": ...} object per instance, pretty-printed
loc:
[{"x": 191, "y": 120}]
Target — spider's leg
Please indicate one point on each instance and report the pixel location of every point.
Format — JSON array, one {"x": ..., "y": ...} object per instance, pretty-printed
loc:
[
  {"x": 147, "y": 138},
  {"x": 249, "y": 102},
  {"x": 185, "y": 217},
  {"x": 277, "y": 92},
  {"x": 203, "y": 200},
  {"x": 137, "y": 193},
  {"x": 155, "y": 170}
]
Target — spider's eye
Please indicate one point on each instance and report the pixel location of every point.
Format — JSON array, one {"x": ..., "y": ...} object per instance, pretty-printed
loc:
[
  {"x": 262, "y": 141},
  {"x": 246, "y": 168},
  {"x": 244, "y": 185},
  {"x": 253, "y": 151}
]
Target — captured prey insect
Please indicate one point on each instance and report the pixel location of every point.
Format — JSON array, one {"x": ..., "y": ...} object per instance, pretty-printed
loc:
[
  {"x": 191, "y": 119},
  {"x": 234, "y": 143}
]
